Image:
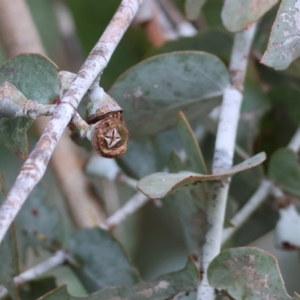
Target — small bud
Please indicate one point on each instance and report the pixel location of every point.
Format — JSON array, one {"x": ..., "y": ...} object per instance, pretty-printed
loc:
[{"x": 110, "y": 136}]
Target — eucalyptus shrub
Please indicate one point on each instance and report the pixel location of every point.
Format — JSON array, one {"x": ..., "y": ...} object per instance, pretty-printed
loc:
[{"x": 201, "y": 132}]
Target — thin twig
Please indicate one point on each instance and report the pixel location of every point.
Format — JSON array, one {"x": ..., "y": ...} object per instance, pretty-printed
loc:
[
  {"x": 223, "y": 156},
  {"x": 35, "y": 166},
  {"x": 56, "y": 260},
  {"x": 265, "y": 188},
  {"x": 131, "y": 206},
  {"x": 18, "y": 34},
  {"x": 247, "y": 210}
]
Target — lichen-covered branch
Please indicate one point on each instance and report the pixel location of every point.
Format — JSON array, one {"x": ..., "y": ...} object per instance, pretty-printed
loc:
[
  {"x": 56, "y": 260},
  {"x": 223, "y": 156},
  {"x": 18, "y": 34},
  {"x": 35, "y": 166},
  {"x": 248, "y": 209},
  {"x": 130, "y": 207}
]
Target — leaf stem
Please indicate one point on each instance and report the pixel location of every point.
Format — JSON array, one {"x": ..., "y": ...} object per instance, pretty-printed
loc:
[
  {"x": 130, "y": 207},
  {"x": 248, "y": 209},
  {"x": 56, "y": 260},
  {"x": 35, "y": 166},
  {"x": 223, "y": 156}
]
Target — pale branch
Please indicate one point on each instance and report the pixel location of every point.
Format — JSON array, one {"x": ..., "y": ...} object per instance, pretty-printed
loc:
[
  {"x": 223, "y": 156},
  {"x": 247, "y": 210},
  {"x": 35, "y": 166},
  {"x": 14, "y": 104},
  {"x": 18, "y": 34},
  {"x": 108, "y": 169},
  {"x": 57, "y": 259},
  {"x": 265, "y": 188},
  {"x": 130, "y": 207},
  {"x": 131, "y": 182}
]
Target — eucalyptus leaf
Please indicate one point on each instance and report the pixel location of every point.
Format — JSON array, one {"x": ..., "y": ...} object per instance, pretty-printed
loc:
[
  {"x": 100, "y": 260},
  {"x": 13, "y": 135},
  {"x": 190, "y": 145},
  {"x": 188, "y": 205},
  {"x": 239, "y": 14},
  {"x": 139, "y": 159},
  {"x": 152, "y": 92},
  {"x": 38, "y": 223},
  {"x": 284, "y": 42},
  {"x": 284, "y": 170},
  {"x": 248, "y": 274},
  {"x": 164, "y": 287},
  {"x": 160, "y": 185},
  {"x": 9, "y": 263},
  {"x": 36, "y": 77},
  {"x": 193, "y": 7}
]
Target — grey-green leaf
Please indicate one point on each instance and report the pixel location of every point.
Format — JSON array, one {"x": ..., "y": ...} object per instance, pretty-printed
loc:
[
  {"x": 13, "y": 135},
  {"x": 160, "y": 185},
  {"x": 37, "y": 78},
  {"x": 9, "y": 263},
  {"x": 38, "y": 224},
  {"x": 248, "y": 274},
  {"x": 190, "y": 145},
  {"x": 188, "y": 205},
  {"x": 239, "y": 14},
  {"x": 34, "y": 75},
  {"x": 284, "y": 170},
  {"x": 193, "y": 7},
  {"x": 101, "y": 260},
  {"x": 284, "y": 42},
  {"x": 152, "y": 92},
  {"x": 164, "y": 287}
]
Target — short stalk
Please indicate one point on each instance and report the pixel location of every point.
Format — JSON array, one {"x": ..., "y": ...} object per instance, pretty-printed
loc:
[
  {"x": 223, "y": 156},
  {"x": 56, "y": 260},
  {"x": 247, "y": 210},
  {"x": 130, "y": 207}
]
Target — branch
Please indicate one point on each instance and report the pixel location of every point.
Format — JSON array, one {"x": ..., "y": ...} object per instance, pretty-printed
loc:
[
  {"x": 35, "y": 166},
  {"x": 56, "y": 260},
  {"x": 223, "y": 156},
  {"x": 108, "y": 169},
  {"x": 265, "y": 188},
  {"x": 18, "y": 34},
  {"x": 130, "y": 207},
  {"x": 247, "y": 210}
]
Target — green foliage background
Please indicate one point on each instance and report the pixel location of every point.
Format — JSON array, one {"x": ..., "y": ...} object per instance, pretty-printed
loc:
[{"x": 153, "y": 238}]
